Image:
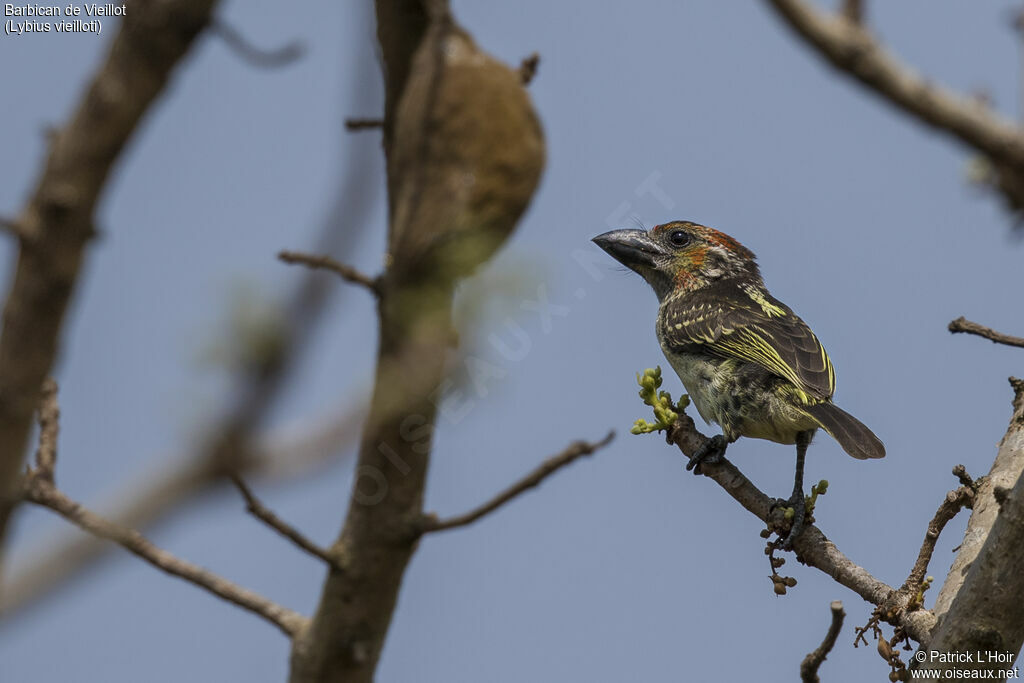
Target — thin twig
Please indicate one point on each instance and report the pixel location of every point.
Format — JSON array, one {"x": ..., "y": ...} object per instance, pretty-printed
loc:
[
  {"x": 49, "y": 428},
  {"x": 347, "y": 273},
  {"x": 966, "y": 326},
  {"x": 292, "y": 451},
  {"x": 264, "y": 514},
  {"x": 43, "y": 493},
  {"x": 528, "y": 68},
  {"x": 955, "y": 500},
  {"x": 809, "y": 667},
  {"x": 364, "y": 124},
  {"x": 255, "y": 56},
  {"x": 577, "y": 449}
]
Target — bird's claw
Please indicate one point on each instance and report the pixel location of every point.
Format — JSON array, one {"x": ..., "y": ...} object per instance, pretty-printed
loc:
[
  {"x": 799, "y": 507},
  {"x": 711, "y": 452}
]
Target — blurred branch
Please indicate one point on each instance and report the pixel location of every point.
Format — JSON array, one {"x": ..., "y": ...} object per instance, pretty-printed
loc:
[
  {"x": 364, "y": 124},
  {"x": 347, "y": 273},
  {"x": 964, "y": 325},
  {"x": 812, "y": 662},
  {"x": 451, "y": 113},
  {"x": 264, "y": 514},
  {"x": 577, "y": 449},
  {"x": 812, "y": 547},
  {"x": 282, "y": 455},
  {"x": 39, "y": 489},
  {"x": 57, "y": 222},
  {"x": 853, "y": 51},
  {"x": 528, "y": 68},
  {"x": 43, "y": 493},
  {"x": 252, "y": 55},
  {"x": 231, "y": 446}
]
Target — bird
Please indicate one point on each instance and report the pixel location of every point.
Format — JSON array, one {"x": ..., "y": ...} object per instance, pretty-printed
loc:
[{"x": 747, "y": 361}]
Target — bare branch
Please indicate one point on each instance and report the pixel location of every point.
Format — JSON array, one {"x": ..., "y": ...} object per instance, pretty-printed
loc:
[
  {"x": 812, "y": 547},
  {"x": 347, "y": 273},
  {"x": 264, "y": 514},
  {"x": 852, "y": 50},
  {"x": 528, "y": 68},
  {"x": 955, "y": 500},
  {"x": 56, "y": 224},
  {"x": 49, "y": 428},
  {"x": 285, "y": 454},
  {"x": 809, "y": 667},
  {"x": 252, "y": 55},
  {"x": 45, "y": 494},
  {"x": 577, "y": 449},
  {"x": 364, "y": 124},
  {"x": 966, "y": 326}
]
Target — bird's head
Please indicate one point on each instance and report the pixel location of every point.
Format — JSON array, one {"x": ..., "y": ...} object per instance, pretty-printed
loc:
[{"x": 679, "y": 256}]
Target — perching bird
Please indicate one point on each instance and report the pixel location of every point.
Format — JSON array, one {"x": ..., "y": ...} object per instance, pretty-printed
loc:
[{"x": 747, "y": 361}]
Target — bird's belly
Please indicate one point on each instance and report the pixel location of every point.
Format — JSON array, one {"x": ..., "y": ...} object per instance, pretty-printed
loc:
[{"x": 741, "y": 397}]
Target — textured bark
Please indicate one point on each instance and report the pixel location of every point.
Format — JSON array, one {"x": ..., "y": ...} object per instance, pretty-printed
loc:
[
  {"x": 465, "y": 154},
  {"x": 981, "y": 601},
  {"x": 57, "y": 222}
]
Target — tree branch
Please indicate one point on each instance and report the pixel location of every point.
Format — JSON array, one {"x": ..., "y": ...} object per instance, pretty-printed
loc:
[
  {"x": 430, "y": 523},
  {"x": 364, "y": 124},
  {"x": 57, "y": 222},
  {"x": 43, "y": 493},
  {"x": 49, "y": 428},
  {"x": 347, "y": 273},
  {"x": 281, "y": 455},
  {"x": 812, "y": 547},
  {"x": 255, "y": 56},
  {"x": 812, "y": 662},
  {"x": 264, "y": 514},
  {"x": 955, "y": 500},
  {"x": 852, "y": 50},
  {"x": 966, "y": 326},
  {"x": 39, "y": 488},
  {"x": 451, "y": 112}
]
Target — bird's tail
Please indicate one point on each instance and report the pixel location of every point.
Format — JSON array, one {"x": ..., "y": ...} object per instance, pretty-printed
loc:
[{"x": 852, "y": 435}]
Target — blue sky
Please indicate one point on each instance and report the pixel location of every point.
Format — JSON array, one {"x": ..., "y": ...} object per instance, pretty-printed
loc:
[{"x": 623, "y": 567}]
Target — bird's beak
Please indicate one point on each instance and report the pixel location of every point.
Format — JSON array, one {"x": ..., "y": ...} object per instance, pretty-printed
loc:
[{"x": 631, "y": 248}]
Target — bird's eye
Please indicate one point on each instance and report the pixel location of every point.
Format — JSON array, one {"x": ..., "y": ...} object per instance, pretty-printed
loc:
[{"x": 679, "y": 238}]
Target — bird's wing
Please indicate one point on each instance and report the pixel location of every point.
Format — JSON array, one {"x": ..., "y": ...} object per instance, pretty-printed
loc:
[{"x": 743, "y": 321}]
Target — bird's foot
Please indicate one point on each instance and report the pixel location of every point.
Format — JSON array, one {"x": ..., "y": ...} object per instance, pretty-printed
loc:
[
  {"x": 798, "y": 504},
  {"x": 711, "y": 452}
]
